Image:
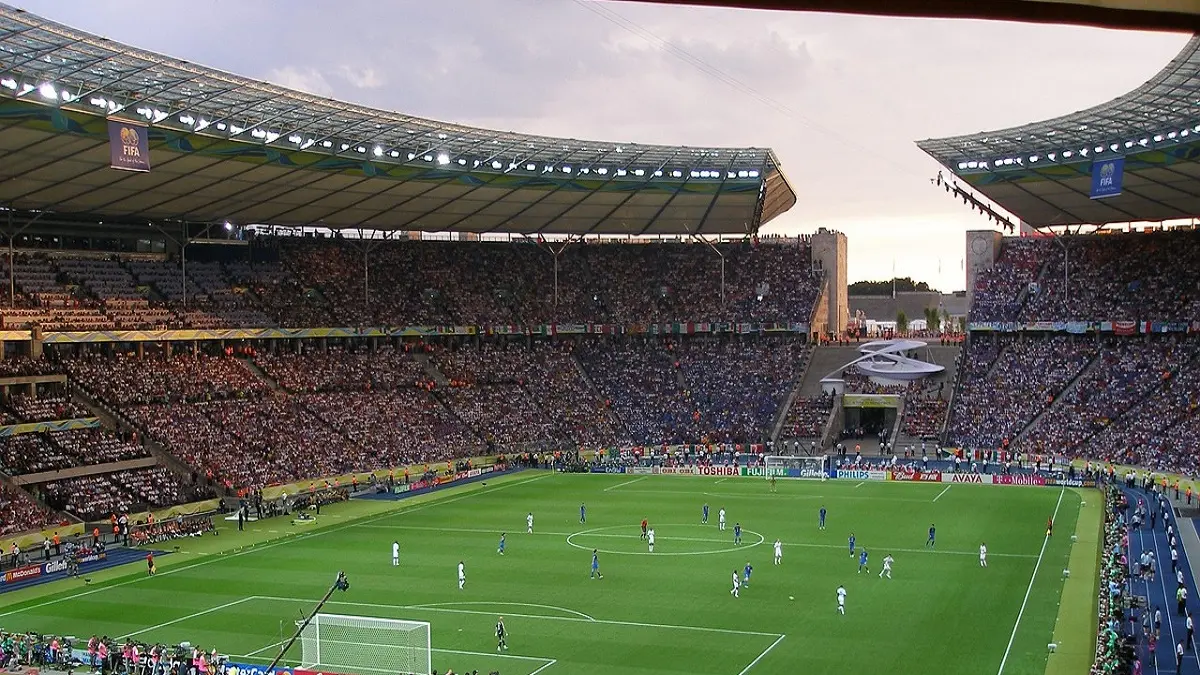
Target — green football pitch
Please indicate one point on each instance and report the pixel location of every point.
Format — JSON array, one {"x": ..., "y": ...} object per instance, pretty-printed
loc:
[{"x": 664, "y": 612}]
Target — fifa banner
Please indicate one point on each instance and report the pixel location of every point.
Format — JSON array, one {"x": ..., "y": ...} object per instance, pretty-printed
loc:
[
  {"x": 129, "y": 146},
  {"x": 1107, "y": 177},
  {"x": 871, "y": 401},
  {"x": 859, "y": 474}
]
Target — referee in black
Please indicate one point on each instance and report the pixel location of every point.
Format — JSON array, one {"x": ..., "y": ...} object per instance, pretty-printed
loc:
[{"x": 501, "y": 634}]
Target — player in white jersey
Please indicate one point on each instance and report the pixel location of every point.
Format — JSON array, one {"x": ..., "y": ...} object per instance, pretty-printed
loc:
[
  {"x": 650, "y": 537},
  {"x": 982, "y": 555},
  {"x": 462, "y": 575},
  {"x": 395, "y": 554},
  {"x": 721, "y": 520},
  {"x": 841, "y": 595},
  {"x": 529, "y": 523},
  {"x": 778, "y": 552},
  {"x": 887, "y": 567},
  {"x": 737, "y": 585}
]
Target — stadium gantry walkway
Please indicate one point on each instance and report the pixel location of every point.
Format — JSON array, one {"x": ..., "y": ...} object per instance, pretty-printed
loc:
[{"x": 1160, "y": 593}]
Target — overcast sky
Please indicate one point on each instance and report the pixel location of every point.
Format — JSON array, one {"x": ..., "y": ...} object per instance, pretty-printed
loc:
[{"x": 840, "y": 98}]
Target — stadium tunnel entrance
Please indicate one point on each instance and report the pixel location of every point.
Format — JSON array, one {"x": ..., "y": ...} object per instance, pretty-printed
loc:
[{"x": 869, "y": 414}]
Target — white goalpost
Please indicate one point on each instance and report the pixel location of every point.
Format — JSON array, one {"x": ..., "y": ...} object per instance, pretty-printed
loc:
[
  {"x": 794, "y": 466},
  {"x": 365, "y": 645}
]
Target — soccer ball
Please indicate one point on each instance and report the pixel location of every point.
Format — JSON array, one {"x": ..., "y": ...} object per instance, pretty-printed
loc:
[
  {"x": 791, "y": 597},
  {"x": 824, "y": 478}
]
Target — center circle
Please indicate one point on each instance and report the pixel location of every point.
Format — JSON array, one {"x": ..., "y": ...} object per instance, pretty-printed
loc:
[{"x": 665, "y": 535}]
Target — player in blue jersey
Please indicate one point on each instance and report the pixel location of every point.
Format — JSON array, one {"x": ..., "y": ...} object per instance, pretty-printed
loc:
[
  {"x": 704, "y": 516},
  {"x": 822, "y": 520},
  {"x": 737, "y": 533},
  {"x": 582, "y": 513},
  {"x": 851, "y": 541},
  {"x": 500, "y": 548},
  {"x": 932, "y": 540},
  {"x": 862, "y": 562},
  {"x": 596, "y": 566},
  {"x": 746, "y": 575}
]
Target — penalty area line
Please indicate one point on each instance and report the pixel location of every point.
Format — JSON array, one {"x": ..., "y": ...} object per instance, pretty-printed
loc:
[
  {"x": 944, "y": 491},
  {"x": 760, "y": 656},
  {"x": 628, "y": 482}
]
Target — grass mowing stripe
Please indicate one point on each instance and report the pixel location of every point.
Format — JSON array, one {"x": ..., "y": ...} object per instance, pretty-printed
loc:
[
  {"x": 1075, "y": 631},
  {"x": 760, "y": 656},
  {"x": 803, "y": 544},
  {"x": 1032, "y": 578},
  {"x": 181, "y": 619},
  {"x": 263, "y": 547},
  {"x": 571, "y": 619}
]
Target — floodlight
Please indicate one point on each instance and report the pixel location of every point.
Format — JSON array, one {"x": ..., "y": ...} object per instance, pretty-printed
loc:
[
  {"x": 531, "y": 167},
  {"x": 228, "y": 226},
  {"x": 443, "y": 159},
  {"x": 9, "y": 83},
  {"x": 360, "y": 149},
  {"x": 496, "y": 165},
  {"x": 743, "y": 173},
  {"x": 754, "y": 174},
  {"x": 428, "y": 158},
  {"x": 1158, "y": 138},
  {"x": 221, "y": 126},
  {"x": 295, "y": 139},
  {"x": 676, "y": 174},
  {"x": 26, "y": 88},
  {"x": 602, "y": 171},
  {"x": 658, "y": 174},
  {"x": 258, "y": 133},
  {"x": 47, "y": 91},
  {"x": 411, "y": 156},
  {"x": 394, "y": 154},
  {"x": 345, "y": 146},
  {"x": 66, "y": 96},
  {"x": 327, "y": 144},
  {"x": 187, "y": 119},
  {"x": 621, "y": 172},
  {"x": 462, "y": 162}
]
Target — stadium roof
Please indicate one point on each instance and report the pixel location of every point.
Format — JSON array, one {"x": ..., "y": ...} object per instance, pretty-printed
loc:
[
  {"x": 228, "y": 148},
  {"x": 1042, "y": 172},
  {"x": 1171, "y": 15}
]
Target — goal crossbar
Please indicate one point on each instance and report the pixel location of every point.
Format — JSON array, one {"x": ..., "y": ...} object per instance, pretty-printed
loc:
[{"x": 366, "y": 645}]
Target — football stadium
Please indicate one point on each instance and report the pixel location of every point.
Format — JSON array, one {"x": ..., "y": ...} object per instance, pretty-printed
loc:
[{"x": 293, "y": 386}]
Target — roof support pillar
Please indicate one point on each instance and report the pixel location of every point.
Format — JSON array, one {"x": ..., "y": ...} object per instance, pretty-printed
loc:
[
  {"x": 12, "y": 231},
  {"x": 720, "y": 255},
  {"x": 182, "y": 243}
]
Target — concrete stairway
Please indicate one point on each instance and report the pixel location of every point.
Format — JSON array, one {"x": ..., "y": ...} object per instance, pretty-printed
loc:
[
  {"x": 825, "y": 359},
  {"x": 1071, "y": 386},
  {"x": 431, "y": 370}
]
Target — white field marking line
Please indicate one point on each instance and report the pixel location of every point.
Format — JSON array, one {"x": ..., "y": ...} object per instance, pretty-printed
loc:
[
  {"x": 481, "y": 603},
  {"x": 1032, "y": 578},
  {"x": 571, "y": 619},
  {"x": 760, "y": 656},
  {"x": 944, "y": 491},
  {"x": 181, "y": 619},
  {"x": 260, "y": 650},
  {"x": 628, "y": 482},
  {"x": 859, "y": 485},
  {"x": 217, "y": 557},
  {"x": 720, "y": 480},
  {"x": 443, "y": 651},
  {"x": 552, "y": 662},
  {"x": 804, "y": 544}
]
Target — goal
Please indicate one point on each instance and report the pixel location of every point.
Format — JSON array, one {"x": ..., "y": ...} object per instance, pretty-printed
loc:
[
  {"x": 364, "y": 645},
  {"x": 794, "y": 466}
]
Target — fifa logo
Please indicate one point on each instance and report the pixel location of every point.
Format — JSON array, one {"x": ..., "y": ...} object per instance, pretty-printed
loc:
[
  {"x": 1107, "y": 171},
  {"x": 129, "y": 143}
]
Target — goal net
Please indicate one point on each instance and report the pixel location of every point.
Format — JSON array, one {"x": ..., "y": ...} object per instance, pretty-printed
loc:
[
  {"x": 364, "y": 645},
  {"x": 794, "y": 466}
]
